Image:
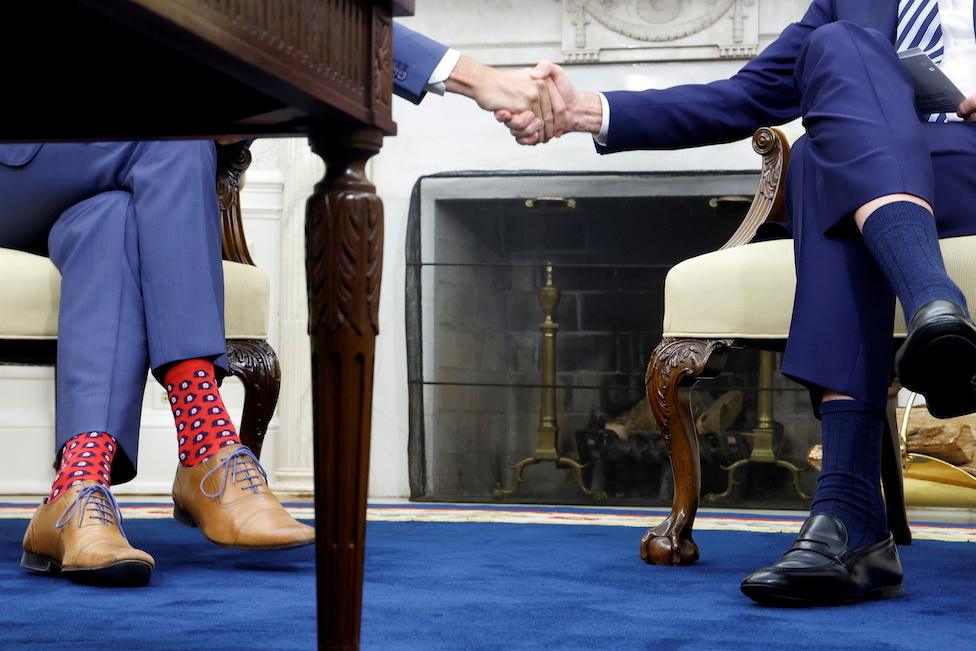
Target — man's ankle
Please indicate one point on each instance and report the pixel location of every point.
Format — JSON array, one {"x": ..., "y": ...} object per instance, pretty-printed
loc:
[{"x": 84, "y": 457}]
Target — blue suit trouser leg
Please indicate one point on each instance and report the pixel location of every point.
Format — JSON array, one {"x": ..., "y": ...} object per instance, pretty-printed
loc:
[
  {"x": 841, "y": 334},
  {"x": 102, "y": 346},
  {"x": 864, "y": 140},
  {"x": 168, "y": 243},
  {"x": 173, "y": 185}
]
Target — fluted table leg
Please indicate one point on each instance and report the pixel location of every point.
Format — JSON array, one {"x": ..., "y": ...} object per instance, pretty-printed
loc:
[{"x": 344, "y": 251}]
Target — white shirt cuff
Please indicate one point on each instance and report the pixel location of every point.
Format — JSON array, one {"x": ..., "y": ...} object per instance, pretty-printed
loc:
[
  {"x": 601, "y": 138},
  {"x": 443, "y": 70}
]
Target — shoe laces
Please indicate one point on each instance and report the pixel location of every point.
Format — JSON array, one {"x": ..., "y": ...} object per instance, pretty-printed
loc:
[
  {"x": 241, "y": 466},
  {"x": 95, "y": 500}
]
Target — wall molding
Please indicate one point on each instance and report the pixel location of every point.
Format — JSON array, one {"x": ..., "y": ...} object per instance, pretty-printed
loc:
[{"x": 659, "y": 30}]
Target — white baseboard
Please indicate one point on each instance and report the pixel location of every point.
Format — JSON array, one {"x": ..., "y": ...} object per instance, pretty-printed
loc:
[{"x": 294, "y": 481}]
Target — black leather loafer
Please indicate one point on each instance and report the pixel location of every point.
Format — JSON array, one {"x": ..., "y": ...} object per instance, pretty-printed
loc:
[
  {"x": 819, "y": 569},
  {"x": 938, "y": 359}
]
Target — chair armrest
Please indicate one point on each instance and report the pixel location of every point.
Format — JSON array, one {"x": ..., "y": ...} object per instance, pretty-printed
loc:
[
  {"x": 232, "y": 161},
  {"x": 769, "y": 202}
]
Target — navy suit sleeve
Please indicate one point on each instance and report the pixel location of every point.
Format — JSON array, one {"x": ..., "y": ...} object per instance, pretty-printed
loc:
[
  {"x": 414, "y": 58},
  {"x": 763, "y": 93}
]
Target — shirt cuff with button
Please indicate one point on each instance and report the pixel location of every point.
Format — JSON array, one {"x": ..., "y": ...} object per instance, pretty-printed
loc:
[
  {"x": 443, "y": 70},
  {"x": 601, "y": 138}
]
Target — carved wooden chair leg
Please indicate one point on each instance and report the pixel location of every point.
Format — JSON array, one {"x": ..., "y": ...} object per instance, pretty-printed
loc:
[
  {"x": 675, "y": 366},
  {"x": 256, "y": 364},
  {"x": 891, "y": 474}
]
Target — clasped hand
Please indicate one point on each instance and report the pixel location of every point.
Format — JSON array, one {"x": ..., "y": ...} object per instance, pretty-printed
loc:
[{"x": 536, "y": 104}]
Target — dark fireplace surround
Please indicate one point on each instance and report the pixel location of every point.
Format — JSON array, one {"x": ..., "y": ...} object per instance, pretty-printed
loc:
[{"x": 476, "y": 254}]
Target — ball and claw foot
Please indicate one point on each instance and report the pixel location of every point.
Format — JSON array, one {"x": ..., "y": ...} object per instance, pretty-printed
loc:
[{"x": 666, "y": 544}]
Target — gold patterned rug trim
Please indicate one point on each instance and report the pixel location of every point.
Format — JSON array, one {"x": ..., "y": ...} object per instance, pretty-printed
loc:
[
  {"x": 548, "y": 515},
  {"x": 736, "y": 522}
]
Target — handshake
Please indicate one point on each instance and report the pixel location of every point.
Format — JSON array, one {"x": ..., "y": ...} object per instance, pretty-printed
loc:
[{"x": 536, "y": 104}]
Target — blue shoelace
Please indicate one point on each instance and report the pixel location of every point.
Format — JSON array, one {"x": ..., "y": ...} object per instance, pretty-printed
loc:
[
  {"x": 95, "y": 500},
  {"x": 240, "y": 466}
]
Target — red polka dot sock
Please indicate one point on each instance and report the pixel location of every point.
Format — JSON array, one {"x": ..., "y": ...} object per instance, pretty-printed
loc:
[
  {"x": 202, "y": 423},
  {"x": 85, "y": 457}
]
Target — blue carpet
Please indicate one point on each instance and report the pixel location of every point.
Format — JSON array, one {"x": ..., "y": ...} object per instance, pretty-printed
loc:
[{"x": 480, "y": 586}]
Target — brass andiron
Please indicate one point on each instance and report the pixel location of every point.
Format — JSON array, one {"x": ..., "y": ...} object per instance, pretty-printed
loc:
[
  {"x": 548, "y": 432},
  {"x": 762, "y": 441}
]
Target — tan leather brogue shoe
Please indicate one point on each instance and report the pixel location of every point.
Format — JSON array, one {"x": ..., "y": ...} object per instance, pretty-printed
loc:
[
  {"x": 80, "y": 536},
  {"x": 227, "y": 496}
]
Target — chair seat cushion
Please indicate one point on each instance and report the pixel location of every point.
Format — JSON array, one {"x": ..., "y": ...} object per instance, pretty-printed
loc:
[
  {"x": 31, "y": 286},
  {"x": 747, "y": 292}
]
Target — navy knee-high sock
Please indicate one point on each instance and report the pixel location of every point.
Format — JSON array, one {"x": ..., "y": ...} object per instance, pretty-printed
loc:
[
  {"x": 849, "y": 486},
  {"x": 904, "y": 242}
]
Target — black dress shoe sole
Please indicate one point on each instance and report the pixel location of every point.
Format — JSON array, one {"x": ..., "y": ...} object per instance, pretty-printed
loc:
[
  {"x": 768, "y": 595},
  {"x": 939, "y": 362},
  {"x": 130, "y": 574}
]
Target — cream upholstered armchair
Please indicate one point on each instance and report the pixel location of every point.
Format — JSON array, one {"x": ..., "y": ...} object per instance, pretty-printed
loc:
[
  {"x": 30, "y": 293},
  {"x": 742, "y": 297}
]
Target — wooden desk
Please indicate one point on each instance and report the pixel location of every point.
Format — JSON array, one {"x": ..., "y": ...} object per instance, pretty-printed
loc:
[{"x": 144, "y": 69}]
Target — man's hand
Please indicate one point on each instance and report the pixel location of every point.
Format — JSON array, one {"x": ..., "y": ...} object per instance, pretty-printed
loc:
[
  {"x": 582, "y": 112},
  {"x": 518, "y": 92},
  {"x": 967, "y": 110}
]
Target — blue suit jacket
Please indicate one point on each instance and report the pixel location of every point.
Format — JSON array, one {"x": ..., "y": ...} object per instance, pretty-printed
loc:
[
  {"x": 761, "y": 94},
  {"x": 17, "y": 155},
  {"x": 414, "y": 58}
]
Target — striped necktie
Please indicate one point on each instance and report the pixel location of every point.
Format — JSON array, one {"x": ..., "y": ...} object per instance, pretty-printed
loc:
[{"x": 919, "y": 26}]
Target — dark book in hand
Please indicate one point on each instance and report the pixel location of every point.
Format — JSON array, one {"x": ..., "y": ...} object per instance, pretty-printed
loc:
[{"x": 934, "y": 91}]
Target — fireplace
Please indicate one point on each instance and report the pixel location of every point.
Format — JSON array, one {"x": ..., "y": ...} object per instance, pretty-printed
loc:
[{"x": 478, "y": 248}]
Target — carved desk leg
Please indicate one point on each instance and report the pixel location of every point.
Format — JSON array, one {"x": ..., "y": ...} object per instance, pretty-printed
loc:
[
  {"x": 344, "y": 248},
  {"x": 675, "y": 366}
]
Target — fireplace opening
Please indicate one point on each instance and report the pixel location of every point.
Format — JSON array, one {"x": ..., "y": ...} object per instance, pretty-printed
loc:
[{"x": 490, "y": 257}]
